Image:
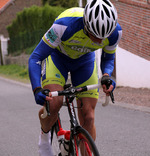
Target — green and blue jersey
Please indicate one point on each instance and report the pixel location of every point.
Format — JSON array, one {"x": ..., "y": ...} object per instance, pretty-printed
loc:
[{"x": 66, "y": 36}]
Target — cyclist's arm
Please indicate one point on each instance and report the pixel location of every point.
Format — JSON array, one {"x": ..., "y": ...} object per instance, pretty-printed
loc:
[
  {"x": 108, "y": 56},
  {"x": 107, "y": 66},
  {"x": 39, "y": 54},
  {"x": 108, "y": 52},
  {"x": 49, "y": 42},
  {"x": 107, "y": 63}
]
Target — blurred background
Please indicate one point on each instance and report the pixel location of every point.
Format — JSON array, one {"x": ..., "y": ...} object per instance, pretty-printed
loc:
[{"x": 23, "y": 23}]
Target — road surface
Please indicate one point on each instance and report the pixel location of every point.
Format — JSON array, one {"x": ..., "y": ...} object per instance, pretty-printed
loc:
[{"x": 120, "y": 131}]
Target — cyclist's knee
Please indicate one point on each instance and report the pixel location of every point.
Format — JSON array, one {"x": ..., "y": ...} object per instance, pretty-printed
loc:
[
  {"x": 56, "y": 105},
  {"x": 89, "y": 119}
]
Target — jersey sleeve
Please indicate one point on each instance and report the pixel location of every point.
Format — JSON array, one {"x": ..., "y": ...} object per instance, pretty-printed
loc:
[
  {"x": 108, "y": 52},
  {"x": 34, "y": 64},
  {"x": 53, "y": 36},
  {"x": 113, "y": 40}
]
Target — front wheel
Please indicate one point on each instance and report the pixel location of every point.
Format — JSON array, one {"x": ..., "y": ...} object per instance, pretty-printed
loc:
[{"x": 83, "y": 144}]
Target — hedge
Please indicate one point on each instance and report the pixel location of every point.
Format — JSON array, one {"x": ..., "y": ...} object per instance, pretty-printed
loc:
[
  {"x": 62, "y": 3},
  {"x": 30, "y": 25}
]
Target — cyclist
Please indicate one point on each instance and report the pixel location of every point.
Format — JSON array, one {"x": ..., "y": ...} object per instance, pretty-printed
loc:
[{"x": 68, "y": 46}]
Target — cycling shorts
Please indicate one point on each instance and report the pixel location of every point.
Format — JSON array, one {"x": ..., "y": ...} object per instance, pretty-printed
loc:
[{"x": 83, "y": 71}]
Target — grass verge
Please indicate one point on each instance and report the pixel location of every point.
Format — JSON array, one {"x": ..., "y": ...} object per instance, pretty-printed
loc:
[{"x": 15, "y": 72}]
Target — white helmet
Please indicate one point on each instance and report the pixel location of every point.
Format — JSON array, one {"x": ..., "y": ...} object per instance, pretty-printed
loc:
[{"x": 100, "y": 18}]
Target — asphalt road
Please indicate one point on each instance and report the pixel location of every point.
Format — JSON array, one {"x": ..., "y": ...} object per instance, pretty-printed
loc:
[{"x": 120, "y": 131}]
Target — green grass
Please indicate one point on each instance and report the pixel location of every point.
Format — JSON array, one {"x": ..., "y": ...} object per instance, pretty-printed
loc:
[{"x": 15, "y": 72}]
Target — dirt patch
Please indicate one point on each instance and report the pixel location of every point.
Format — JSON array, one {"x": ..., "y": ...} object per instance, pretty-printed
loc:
[{"x": 137, "y": 96}]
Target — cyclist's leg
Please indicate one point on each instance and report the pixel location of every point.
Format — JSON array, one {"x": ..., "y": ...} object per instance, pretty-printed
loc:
[
  {"x": 87, "y": 115},
  {"x": 55, "y": 105},
  {"x": 46, "y": 124},
  {"x": 89, "y": 99},
  {"x": 44, "y": 145},
  {"x": 52, "y": 79}
]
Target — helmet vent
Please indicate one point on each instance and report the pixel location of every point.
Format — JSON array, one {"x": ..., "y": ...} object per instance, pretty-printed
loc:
[
  {"x": 106, "y": 10},
  {"x": 93, "y": 28},
  {"x": 92, "y": 4},
  {"x": 106, "y": 1},
  {"x": 97, "y": 26},
  {"x": 107, "y": 26},
  {"x": 96, "y": 11},
  {"x": 102, "y": 15},
  {"x": 90, "y": 16},
  {"x": 111, "y": 27},
  {"x": 113, "y": 15},
  {"x": 103, "y": 30}
]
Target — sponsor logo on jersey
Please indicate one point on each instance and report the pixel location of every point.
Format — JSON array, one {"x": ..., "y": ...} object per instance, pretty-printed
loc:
[
  {"x": 57, "y": 75},
  {"x": 80, "y": 37},
  {"x": 81, "y": 49},
  {"x": 74, "y": 41},
  {"x": 51, "y": 36}
]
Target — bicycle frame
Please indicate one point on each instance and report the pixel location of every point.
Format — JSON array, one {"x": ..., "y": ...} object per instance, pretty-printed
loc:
[
  {"x": 71, "y": 110},
  {"x": 70, "y": 95},
  {"x": 73, "y": 120}
]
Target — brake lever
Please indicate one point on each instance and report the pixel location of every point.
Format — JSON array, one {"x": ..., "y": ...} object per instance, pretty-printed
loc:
[
  {"x": 47, "y": 108},
  {"x": 111, "y": 93},
  {"x": 46, "y": 92},
  {"x": 112, "y": 97}
]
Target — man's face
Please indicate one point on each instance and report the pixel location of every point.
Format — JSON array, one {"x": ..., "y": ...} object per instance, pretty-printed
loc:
[{"x": 93, "y": 38}]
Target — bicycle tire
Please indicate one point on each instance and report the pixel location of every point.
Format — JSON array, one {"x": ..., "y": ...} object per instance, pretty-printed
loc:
[{"x": 83, "y": 138}]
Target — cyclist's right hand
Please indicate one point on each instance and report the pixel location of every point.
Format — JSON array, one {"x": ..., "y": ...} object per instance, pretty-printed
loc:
[{"x": 40, "y": 98}]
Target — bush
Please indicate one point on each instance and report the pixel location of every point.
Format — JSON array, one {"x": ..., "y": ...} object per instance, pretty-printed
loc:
[
  {"x": 62, "y": 3},
  {"x": 30, "y": 25}
]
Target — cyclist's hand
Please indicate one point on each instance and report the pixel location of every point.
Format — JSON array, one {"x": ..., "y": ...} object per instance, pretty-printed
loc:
[
  {"x": 40, "y": 96},
  {"x": 108, "y": 84}
]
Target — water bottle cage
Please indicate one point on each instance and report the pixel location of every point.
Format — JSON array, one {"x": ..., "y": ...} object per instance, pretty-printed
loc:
[
  {"x": 63, "y": 143},
  {"x": 66, "y": 143}
]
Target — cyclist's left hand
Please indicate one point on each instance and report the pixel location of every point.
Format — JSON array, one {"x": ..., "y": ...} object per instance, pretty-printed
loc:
[
  {"x": 107, "y": 91},
  {"x": 108, "y": 84}
]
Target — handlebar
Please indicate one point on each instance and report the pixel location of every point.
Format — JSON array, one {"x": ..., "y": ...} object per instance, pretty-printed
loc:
[{"x": 74, "y": 91}]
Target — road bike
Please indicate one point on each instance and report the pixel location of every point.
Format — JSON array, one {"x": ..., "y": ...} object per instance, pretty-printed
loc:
[{"x": 76, "y": 141}]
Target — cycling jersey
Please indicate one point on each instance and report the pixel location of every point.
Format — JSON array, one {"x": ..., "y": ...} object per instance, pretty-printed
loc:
[{"x": 67, "y": 36}]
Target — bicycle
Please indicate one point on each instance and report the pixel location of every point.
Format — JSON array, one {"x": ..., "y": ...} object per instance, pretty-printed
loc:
[{"x": 79, "y": 142}]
